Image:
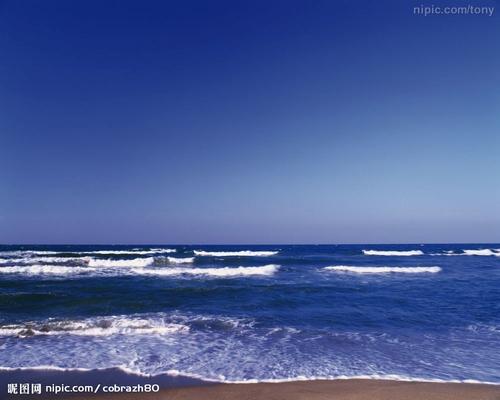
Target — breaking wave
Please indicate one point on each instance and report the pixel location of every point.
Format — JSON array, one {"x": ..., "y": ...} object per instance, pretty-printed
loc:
[
  {"x": 218, "y": 272},
  {"x": 185, "y": 260},
  {"x": 36, "y": 260},
  {"x": 105, "y": 326},
  {"x": 23, "y": 253},
  {"x": 383, "y": 270},
  {"x": 407, "y": 253},
  {"x": 136, "y": 262},
  {"x": 467, "y": 252},
  {"x": 130, "y": 252},
  {"x": 482, "y": 252},
  {"x": 243, "y": 253},
  {"x": 43, "y": 270}
]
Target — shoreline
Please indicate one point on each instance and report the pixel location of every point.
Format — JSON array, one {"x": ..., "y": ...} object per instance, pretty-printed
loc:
[
  {"x": 108, "y": 376},
  {"x": 183, "y": 387},
  {"x": 344, "y": 389}
]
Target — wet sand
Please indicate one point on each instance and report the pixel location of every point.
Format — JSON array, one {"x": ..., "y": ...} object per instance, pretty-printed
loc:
[
  {"x": 352, "y": 389},
  {"x": 182, "y": 388},
  {"x": 103, "y": 377}
]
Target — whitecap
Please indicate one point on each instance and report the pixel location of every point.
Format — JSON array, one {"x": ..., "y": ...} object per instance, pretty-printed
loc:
[
  {"x": 243, "y": 253},
  {"x": 130, "y": 252},
  {"x": 185, "y": 260},
  {"x": 407, "y": 253},
  {"x": 22, "y": 253},
  {"x": 136, "y": 262},
  {"x": 36, "y": 260},
  {"x": 43, "y": 270},
  {"x": 481, "y": 252},
  {"x": 101, "y": 326},
  {"x": 382, "y": 270},
  {"x": 218, "y": 272}
]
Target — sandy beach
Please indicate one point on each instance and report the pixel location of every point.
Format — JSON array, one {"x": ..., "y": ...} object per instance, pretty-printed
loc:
[
  {"x": 183, "y": 388},
  {"x": 352, "y": 389}
]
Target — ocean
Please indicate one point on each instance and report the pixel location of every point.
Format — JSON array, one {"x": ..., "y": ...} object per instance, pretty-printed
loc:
[{"x": 255, "y": 313}]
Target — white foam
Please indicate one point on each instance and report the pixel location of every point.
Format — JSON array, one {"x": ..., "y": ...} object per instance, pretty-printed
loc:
[
  {"x": 22, "y": 253},
  {"x": 448, "y": 253},
  {"x": 105, "y": 326},
  {"x": 130, "y": 252},
  {"x": 219, "y": 272},
  {"x": 185, "y": 260},
  {"x": 383, "y": 270},
  {"x": 43, "y": 270},
  {"x": 243, "y": 253},
  {"x": 466, "y": 252},
  {"x": 36, "y": 260},
  {"x": 392, "y": 253},
  {"x": 481, "y": 252},
  {"x": 222, "y": 379},
  {"x": 135, "y": 262},
  {"x": 301, "y": 378},
  {"x": 45, "y": 368}
]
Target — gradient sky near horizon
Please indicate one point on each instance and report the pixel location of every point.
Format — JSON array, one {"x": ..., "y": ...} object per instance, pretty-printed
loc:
[{"x": 248, "y": 122}]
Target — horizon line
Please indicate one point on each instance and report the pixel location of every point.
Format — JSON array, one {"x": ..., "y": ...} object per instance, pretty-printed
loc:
[{"x": 246, "y": 244}]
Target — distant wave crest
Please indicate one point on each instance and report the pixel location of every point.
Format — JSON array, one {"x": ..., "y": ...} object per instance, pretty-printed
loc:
[
  {"x": 76, "y": 253},
  {"x": 482, "y": 252},
  {"x": 407, "y": 253},
  {"x": 184, "y": 260},
  {"x": 470, "y": 252},
  {"x": 218, "y": 272},
  {"x": 383, "y": 270},
  {"x": 42, "y": 270},
  {"x": 135, "y": 262},
  {"x": 243, "y": 253},
  {"x": 130, "y": 252},
  {"x": 37, "y": 260}
]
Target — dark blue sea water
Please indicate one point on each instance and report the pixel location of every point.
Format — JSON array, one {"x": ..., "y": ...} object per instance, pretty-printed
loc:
[{"x": 240, "y": 313}]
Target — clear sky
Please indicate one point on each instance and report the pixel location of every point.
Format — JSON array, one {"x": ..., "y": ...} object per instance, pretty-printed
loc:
[{"x": 248, "y": 122}]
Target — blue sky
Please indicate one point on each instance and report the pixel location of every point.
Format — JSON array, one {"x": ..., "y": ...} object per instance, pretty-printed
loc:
[{"x": 255, "y": 122}]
